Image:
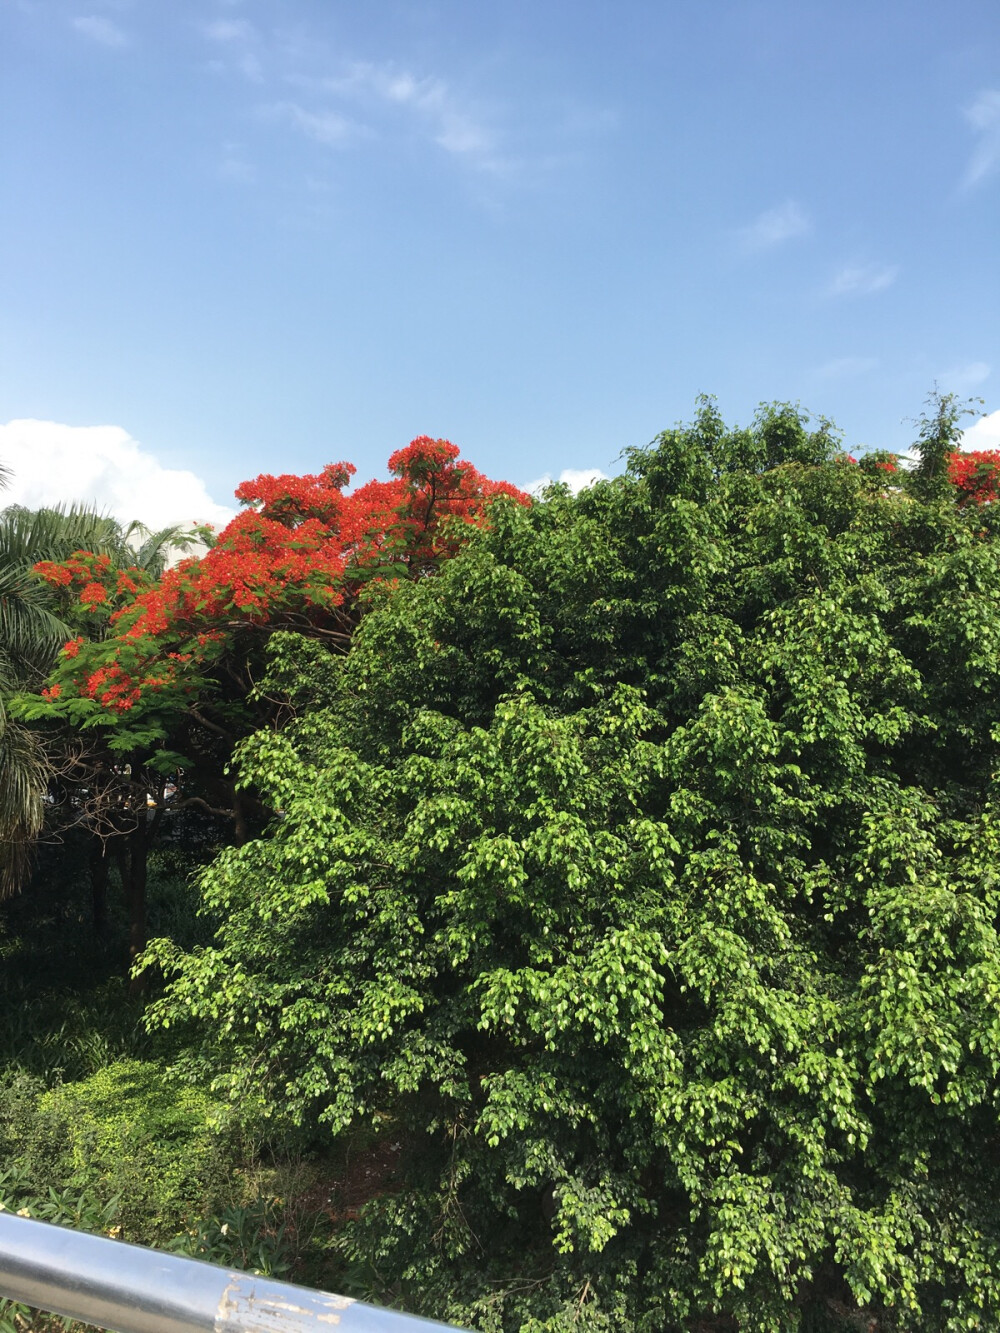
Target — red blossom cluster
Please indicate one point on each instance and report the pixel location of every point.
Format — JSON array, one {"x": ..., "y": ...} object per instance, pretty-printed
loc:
[
  {"x": 291, "y": 499},
  {"x": 975, "y": 475},
  {"x": 259, "y": 567},
  {"x": 300, "y": 548},
  {"x": 93, "y": 594},
  {"x": 112, "y": 687},
  {"x": 88, "y": 581},
  {"x": 116, "y": 688},
  {"x": 82, "y": 575}
]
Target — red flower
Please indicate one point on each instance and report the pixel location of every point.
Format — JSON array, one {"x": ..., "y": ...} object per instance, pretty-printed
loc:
[
  {"x": 975, "y": 475},
  {"x": 93, "y": 595},
  {"x": 56, "y": 575},
  {"x": 300, "y": 549}
]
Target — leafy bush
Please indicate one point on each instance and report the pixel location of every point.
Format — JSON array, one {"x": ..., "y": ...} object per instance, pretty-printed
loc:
[
  {"x": 126, "y": 1133},
  {"x": 253, "y": 1238},
  {"x": 153, "y": 1142}
]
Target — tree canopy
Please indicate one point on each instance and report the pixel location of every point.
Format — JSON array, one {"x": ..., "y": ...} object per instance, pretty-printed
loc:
[
  {"x": 148, "y": 698},
  {"x": 636, "y": 876}
]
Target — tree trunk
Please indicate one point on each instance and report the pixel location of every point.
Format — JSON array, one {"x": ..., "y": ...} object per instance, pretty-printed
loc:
[
  {"x": 134, "y": 863},
  {"x": 100, "y": 865},
  {"x": 241, "y": 827}
]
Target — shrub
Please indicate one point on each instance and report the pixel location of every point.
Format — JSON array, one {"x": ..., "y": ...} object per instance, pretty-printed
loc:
[{"x": 127, "y": 1133}]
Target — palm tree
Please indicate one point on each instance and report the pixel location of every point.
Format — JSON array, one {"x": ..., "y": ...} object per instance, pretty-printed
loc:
[{"x": 30, "y": 637}]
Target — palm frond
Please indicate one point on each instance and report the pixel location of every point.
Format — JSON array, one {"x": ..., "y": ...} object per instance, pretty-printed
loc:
[
  {"x": 54, "y": 533},
  {"x": 154, "y": 552},
  {"x": 24, "y": 777},
  {"x": 30, "y": 633}
]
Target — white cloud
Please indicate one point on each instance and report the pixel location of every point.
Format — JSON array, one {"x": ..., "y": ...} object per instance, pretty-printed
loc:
[
  {"x": 842, "y": 367},
  {"x": 984, "y": 117},
  {"x": 442, "y": 114},
  {"x": 100, "y": 29},
  {"x": 984, "y": 434},
  {"x": 102, "y": 466},
  {"x": 229, "y": 30},
  {"x": 863, "y": 279},
  {"x": 960, "y": 378},
  {"x": 237, "y": 37},
  {"x": 577, "y": 479},
  {"x": 452, "y": 126},
  {"x": 775, "y": 227},
  {"x": 325, "y": 127}
]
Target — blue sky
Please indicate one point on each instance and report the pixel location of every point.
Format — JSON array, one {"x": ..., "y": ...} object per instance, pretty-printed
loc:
[{"x": 263, "y": 235}]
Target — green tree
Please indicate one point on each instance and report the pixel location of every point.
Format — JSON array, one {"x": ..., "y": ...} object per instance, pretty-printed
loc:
[
  {"x": 637, "y": 876},
  {"x": 939, "y": 433}
]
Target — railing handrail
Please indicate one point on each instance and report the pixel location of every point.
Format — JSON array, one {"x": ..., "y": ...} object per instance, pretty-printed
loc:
[{"x": 132, "y": 1289}]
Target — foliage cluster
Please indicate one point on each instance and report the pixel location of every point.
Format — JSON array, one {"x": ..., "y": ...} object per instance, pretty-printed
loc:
[
  {"x": 131, "y": 1154},
  {"x": 637, "y": 874},
  {"x": 146, "y": 1148}
]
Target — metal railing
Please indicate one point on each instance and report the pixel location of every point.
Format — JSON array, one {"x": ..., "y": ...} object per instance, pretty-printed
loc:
[{"x": 134, "y": 1290}]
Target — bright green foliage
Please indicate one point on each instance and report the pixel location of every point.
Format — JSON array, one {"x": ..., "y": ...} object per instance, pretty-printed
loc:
[
  {"x": 149, "y": 1147},
  {"x": 637, "y": 874},
  {"x": 937, "y": 439}
]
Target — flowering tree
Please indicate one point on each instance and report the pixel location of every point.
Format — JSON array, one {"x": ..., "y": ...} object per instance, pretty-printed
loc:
[
  {"x": 30, "y": 639},
  {"x": 150, "y": 695}
]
